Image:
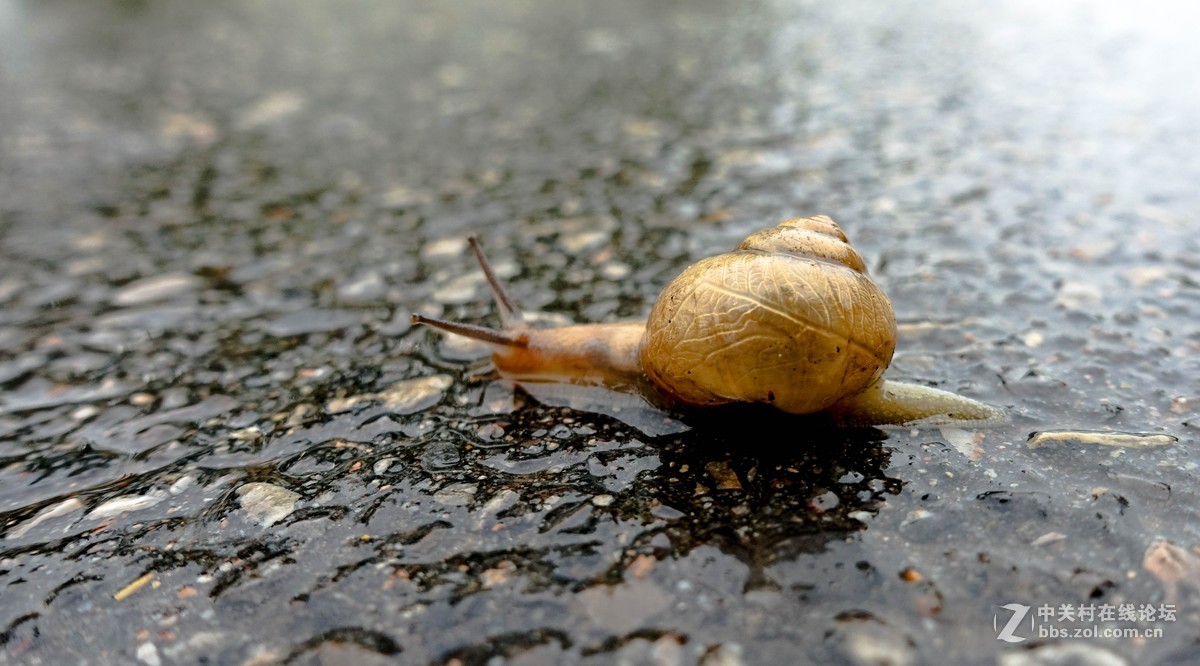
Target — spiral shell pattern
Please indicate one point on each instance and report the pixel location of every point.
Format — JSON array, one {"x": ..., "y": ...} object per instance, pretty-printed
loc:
[{"x": 789, "y": 317}]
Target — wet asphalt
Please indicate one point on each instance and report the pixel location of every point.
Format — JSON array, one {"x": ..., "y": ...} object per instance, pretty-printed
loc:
[{"x": 221, "y": 441}]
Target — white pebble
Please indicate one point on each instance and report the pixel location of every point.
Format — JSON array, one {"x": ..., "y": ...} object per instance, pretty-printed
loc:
[
  {"x": 147, "y": 653},
  {"x": 181, "y": 484},
  {"x": 381, "y": 466},
  {"x": 53, "y": 511},
  {"x": 155, "y": 288},
  {"x": 123, "y": 504},
  {"x": 267, "y": 503},
  {"x": 445, "y": 248},
  {"x": 458, "y": 494}
]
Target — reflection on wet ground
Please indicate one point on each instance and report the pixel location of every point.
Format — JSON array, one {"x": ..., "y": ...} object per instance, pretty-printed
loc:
[{"x": 222, "y": 440}]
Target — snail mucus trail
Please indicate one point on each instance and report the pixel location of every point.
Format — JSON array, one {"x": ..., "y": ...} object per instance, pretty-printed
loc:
[{"x": 788, "y": 318}]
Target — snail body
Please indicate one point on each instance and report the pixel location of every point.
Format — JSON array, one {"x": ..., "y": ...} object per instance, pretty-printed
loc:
[{"x": 790, "y": 318}]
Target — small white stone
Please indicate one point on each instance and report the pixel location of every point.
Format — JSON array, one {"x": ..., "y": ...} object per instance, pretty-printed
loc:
[
  {"x": 1144, "y": 275},
  {"x": 269, "y": 109},
  {"x": 603, "y": 500},
  {"x": 147, "y": 653},
  {"x": 123, "y": 504},
  {"x": 1048, "y": 537},
  {"x": 364, "y": 289},
  {"x": 381, "y": 466},
  {"x": 457, "y": 494},
  {"x": 445, "y": 248},
  {"x": 614, "y": 271},
  {"x": 460, "y": 289},
  {"x": 1063, "y": 653},
  {"x": 584, "y": 240},
  {"x": 249, "y": 434},
  {"x": 84, "y": 413},
  {"x": 181, "y": 484},
  {"x": 53, "y": 511},
  {"x": 267, "y": 503},
  {"x": 154, "y": 289},
  {"x": 413, "y": 395},
  {"x": 1078, "y": 295}
]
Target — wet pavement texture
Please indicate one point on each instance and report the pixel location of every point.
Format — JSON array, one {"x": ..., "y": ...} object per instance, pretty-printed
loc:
[{"x": 222, "y": 442}]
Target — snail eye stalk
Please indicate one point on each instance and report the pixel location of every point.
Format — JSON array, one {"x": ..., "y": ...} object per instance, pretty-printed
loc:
[
  {"x": 510, "y": 314},
  {"x": 481, "y": 333}
]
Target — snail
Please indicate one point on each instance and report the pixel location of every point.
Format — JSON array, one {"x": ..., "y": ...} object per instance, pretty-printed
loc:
[{"x": 789, "y": 318}]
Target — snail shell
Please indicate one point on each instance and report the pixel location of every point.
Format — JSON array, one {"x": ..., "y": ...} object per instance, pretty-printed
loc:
[{"x": 790, "y": 318}]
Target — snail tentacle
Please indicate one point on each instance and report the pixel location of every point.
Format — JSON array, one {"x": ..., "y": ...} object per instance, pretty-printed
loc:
[
  {"x": 513, "y": 331},
  {"x": 502, "y": 338},
  {"x": 510, "y": 315}
]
